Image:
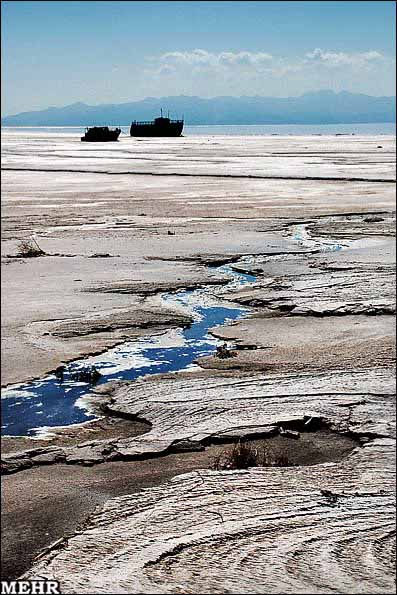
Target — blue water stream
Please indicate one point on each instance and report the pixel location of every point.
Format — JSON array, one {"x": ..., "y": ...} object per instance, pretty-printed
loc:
[{"x": 34, "y": 407}]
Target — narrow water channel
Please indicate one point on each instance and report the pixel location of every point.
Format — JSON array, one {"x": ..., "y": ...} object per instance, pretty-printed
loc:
[{"x": 33, "y": 408}]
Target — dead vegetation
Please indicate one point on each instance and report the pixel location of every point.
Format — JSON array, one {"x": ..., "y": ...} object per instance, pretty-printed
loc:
[
  {"x": 243, "y": 455},
  {"x": 224, "y": 353},
  {"x": 29, "y": 249}
]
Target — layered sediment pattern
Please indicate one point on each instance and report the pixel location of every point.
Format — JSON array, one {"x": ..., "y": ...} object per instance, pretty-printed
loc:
[{"x": 322, "y": 529}]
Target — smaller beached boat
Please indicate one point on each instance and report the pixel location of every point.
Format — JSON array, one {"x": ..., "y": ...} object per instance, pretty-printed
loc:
[
  {"x": 157, "y": 127},
  {"x": 99, "y": 134}
]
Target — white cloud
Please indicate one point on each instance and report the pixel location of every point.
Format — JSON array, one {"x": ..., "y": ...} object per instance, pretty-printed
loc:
[
  {"x": 206, "y": 73},
  {"x": 337, "y": 59},
  {"x": 257, "y": 60},
  {"x": 246, "y": 64},
  {"x": 200, "y": 57},
  {"x": 190, "y": 58},
  {"x": 244, "y": 58}
]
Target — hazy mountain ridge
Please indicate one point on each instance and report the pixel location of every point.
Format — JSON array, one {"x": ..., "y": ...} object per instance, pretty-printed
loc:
[{"x": 322, "y": 107}]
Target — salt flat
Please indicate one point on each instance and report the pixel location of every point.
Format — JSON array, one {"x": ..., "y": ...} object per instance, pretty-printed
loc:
[
  {"x": 77, "y": 213},
  {"x": 313, "y": 156},
  {"x": 313, "y": 219}
]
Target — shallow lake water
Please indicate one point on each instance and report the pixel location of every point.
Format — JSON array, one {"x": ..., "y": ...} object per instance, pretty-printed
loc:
[{"x": 32, "y": 408}]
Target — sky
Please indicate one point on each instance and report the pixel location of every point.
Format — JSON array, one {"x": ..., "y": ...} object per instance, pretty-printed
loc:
[{"x": 56, "y": 53}]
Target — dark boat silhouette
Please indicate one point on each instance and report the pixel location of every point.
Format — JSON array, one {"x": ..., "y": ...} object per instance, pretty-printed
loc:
[
  {"x": 99, "y": 134},
  {"x": 157, "y": 127}
]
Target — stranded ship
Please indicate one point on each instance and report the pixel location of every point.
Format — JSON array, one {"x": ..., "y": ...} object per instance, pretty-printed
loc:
[
  {"x": 158, "y": 127},
  {"x": 99, "y": 134}
]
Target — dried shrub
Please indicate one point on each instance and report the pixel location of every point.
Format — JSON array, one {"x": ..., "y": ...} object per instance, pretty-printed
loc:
[
  {"x": 224, "y": 353},
  {"x": 243, "y": 455},
  {"x": 29, "y": 249}
]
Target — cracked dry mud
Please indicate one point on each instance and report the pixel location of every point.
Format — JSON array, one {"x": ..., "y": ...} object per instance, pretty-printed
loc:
[{"x": 315, "y": 355}]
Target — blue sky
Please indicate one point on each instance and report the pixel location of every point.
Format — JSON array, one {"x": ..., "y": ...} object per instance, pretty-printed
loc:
[{"x": 56, "y": 53}]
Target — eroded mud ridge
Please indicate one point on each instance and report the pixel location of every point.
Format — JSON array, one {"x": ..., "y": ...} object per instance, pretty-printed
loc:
[{"x": 359, "y": 281}]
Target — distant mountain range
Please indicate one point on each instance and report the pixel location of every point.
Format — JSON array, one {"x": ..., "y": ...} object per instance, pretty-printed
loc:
[{"x": 322, "y": 107}]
